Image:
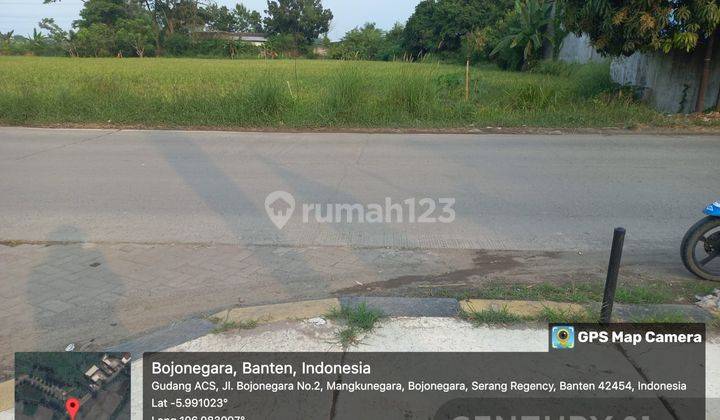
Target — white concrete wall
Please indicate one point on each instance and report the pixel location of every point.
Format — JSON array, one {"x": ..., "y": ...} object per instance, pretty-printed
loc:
[
  {"x": 669, "y": 82},
  {"x": 577, "y": 49}
]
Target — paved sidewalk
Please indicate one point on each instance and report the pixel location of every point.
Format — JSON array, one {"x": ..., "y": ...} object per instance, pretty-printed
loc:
[{"x": 97, "y": 295}]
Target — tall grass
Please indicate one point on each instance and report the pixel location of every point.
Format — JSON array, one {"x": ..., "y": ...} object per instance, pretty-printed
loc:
[
  {"x": 304, "y": 93},
  {"x": 414, "y": 93},
  {"x": 268, "y": 98},
  {"x": 345, "y": 98}
]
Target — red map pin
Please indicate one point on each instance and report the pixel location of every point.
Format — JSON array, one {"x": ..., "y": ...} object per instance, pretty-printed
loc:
[{"x": 72, "y": 405}]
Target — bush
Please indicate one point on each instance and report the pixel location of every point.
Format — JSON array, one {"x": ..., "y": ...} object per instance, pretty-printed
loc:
[
  {"x": 177, "y": 43},
  {"x": 593, "y": 79},
  {"x": 283, "y": 45}
]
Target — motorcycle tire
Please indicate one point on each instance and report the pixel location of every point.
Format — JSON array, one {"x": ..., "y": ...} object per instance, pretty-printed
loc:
[{"x": 689, "y": 242}]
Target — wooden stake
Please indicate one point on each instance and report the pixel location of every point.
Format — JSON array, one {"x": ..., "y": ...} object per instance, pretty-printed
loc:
[{"x": 467, "y": 81}]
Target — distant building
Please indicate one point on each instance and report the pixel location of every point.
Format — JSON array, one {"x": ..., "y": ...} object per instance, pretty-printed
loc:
[
  {"x": 255, "y": 38},
  {"x": 320, "y": 51}
]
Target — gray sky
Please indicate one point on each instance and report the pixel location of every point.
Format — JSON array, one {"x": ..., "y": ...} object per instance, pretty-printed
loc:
[{"x": 23, "y": 15}]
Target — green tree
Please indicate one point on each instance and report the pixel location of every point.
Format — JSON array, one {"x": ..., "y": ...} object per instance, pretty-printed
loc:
[
  {"x": 95, "y": 40},
  {"x": 305, "y": 20},
  {"x": 527, "y": 30},
  {"x": 219, "y": 18},
  {"x": 172, "y": 21},
  {"x": 115, "y": 20},
  {"x": 441, "y": 25},
  {"x": 179, "y": 15},
  {"x": 247, "y": 20},
  {"x": 279, "y": 44},
  {"x": 362, "y": 43},
  {"x": 106, "y": 12},
  {"x": 64, "y": 39},
  {"x": 135, "y": 33},
  {"x": 6, "y": 39},
  {"x": 392, "y": 46},
  {"x": 38, "y": 42},
  {"x": 622, "y": 27},
  {"x": 151, "y": 8}
]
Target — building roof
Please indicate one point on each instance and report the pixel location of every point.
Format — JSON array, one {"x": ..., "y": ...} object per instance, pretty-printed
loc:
[
  {"x": 253, "y": 38},
  {"x": 245, "y": 36},
  {"x": 90, "y": 372}
]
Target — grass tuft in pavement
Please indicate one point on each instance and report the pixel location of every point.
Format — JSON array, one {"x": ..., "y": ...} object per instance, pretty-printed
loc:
[
  {"x": 493, "y": 316},
  {"x": 549, "y": 315},
  {"x": 560, "y": 316},
  {"x": 233, "y": 325},
  {"x": 357, "y": 319}
]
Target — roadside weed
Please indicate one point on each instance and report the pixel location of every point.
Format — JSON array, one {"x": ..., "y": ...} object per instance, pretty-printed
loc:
[{"x": 357, "y": 319}]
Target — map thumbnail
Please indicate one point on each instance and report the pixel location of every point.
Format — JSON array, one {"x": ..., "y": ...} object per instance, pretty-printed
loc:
[{"x": 44, "y": 382}]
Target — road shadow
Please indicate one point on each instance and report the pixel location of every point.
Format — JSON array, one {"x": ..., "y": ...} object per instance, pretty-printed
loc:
[{"x": 226, "y": 198}]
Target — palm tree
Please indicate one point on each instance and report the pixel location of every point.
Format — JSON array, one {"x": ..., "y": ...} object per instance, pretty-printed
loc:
[
  {"x": 528, "y": 29},
  {"x": 37, "y": 40},
  {"x": 6, "y": 38}
]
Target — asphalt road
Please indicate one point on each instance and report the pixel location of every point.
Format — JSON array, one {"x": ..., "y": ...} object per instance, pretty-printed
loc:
[{"x": 522, "y": 192}]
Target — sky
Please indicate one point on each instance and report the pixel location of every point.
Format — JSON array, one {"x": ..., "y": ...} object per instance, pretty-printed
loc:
[{"x": 23, "y": 15}]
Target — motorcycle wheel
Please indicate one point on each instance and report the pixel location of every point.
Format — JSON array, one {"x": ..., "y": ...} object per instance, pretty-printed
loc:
[{"x": 700, "y": 249}]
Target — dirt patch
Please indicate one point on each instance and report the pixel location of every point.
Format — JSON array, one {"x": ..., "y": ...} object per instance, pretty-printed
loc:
[
  {"x": 569, "y": 276},
  {"x": 484, "y": 264}
]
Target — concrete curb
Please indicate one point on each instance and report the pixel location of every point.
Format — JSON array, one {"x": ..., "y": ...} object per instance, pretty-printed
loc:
[
  {"x": 409, "y": 307},
  {"x": 278, "y": 312},
  {"x": 7, "y": 395},
  {"x": 449, "y": 307},
  {"x": 170, "y": 336}
]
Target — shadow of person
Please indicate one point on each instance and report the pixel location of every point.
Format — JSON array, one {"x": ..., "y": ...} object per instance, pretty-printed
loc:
[{"x": 74, "y": 295}]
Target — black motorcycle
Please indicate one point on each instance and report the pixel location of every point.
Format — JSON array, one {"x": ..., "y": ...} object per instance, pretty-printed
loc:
[{"x": 700, "y": 247}]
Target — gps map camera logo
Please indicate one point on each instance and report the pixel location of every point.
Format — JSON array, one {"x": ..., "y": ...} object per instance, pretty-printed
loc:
[{"x": 563, "y": 337}]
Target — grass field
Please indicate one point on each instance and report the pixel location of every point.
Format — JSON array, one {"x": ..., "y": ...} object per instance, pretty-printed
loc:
[{"x": 307, "y": 94}]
